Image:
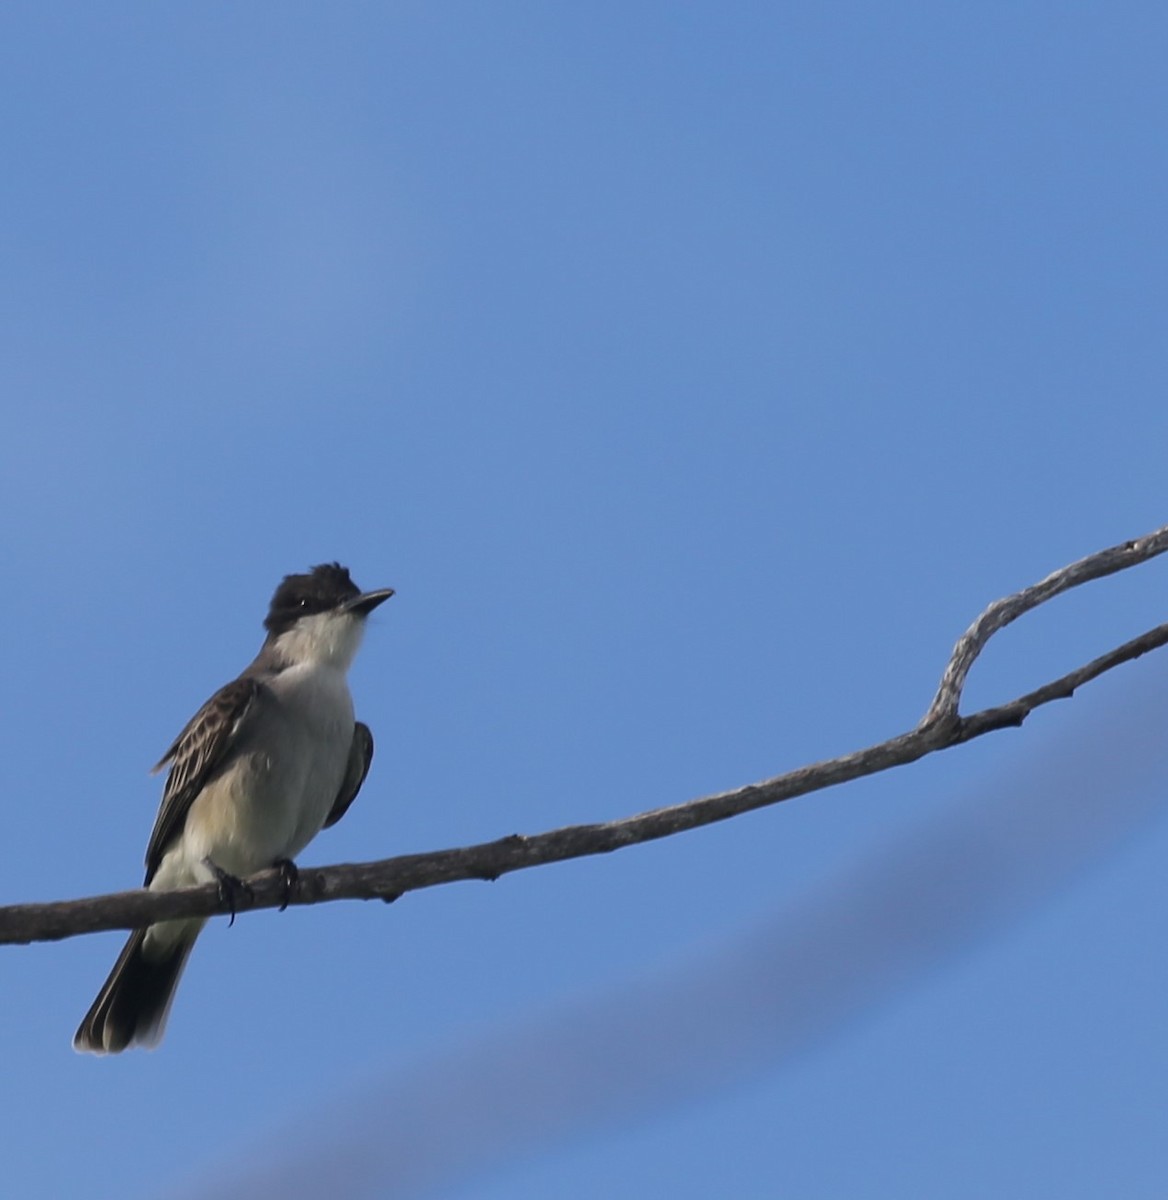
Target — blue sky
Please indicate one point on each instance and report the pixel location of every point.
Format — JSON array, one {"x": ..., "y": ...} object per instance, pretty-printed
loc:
[{"x": 695, "y": 374}]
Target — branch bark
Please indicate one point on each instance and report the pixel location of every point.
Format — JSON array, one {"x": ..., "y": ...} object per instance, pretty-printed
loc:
[{"x": 387, "y": 879}]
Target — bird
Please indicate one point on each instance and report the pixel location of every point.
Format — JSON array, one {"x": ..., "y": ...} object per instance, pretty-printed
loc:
[{"x": 270, "y": 760}]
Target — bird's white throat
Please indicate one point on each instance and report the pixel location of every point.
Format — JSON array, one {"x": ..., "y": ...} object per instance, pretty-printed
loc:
[{"x": 322, "y": 639}]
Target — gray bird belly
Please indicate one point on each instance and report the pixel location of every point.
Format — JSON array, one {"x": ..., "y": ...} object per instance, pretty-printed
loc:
[{"x": 275, "y": 797}]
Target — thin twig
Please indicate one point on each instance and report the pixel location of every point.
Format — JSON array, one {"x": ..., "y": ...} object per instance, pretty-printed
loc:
[
  {"x": 389, "y": 878},
  {"x": 1002, "y": 612}
]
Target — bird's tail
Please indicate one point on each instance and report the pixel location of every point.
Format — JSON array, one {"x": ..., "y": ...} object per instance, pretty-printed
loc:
[{"x": 132, "y": 1006}]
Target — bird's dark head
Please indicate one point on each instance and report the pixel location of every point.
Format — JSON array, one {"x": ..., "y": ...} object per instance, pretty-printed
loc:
[{"x": 324, "y": 606}]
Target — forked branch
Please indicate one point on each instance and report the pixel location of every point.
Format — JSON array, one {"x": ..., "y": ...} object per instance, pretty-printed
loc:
[{"x": 387, "y": 879}]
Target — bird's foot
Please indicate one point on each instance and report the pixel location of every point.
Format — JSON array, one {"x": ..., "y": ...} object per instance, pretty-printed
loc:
[
  {"x": 231, "y": 889},
  {"x": 289, "y": 876}
]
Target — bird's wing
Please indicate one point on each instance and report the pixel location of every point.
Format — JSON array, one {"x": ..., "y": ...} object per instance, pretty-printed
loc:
[
  {"x": 194, "y": 757},
  {"x": 360, "y": 756}
]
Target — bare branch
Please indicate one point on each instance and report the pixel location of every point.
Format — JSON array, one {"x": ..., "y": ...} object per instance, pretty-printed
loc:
[
  {"x": 1002, "y": 612},
  {"x": 389, "y": 878}
]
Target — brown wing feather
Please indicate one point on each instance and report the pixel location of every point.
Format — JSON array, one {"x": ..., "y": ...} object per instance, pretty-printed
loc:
[
  {"x": 195, "y": 754},
  {"x": 360, "y": 756}
]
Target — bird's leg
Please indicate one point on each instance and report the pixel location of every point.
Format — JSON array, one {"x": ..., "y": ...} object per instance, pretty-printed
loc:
[
  {"x": 290, "y": 875},
  {"x": 231, "y": 888}
]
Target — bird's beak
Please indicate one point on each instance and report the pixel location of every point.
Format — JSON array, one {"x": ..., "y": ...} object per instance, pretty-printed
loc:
[{"x": 366, "y": 602}]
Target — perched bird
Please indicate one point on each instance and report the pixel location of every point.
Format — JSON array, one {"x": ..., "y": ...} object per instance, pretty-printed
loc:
[{"x": 269, "y": 761}]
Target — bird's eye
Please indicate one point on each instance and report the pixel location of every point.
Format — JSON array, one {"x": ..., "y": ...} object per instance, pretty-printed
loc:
[{"x": 304, "y": 602}]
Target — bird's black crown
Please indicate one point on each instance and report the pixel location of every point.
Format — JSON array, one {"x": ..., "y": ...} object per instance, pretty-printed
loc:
[{"x": 324, "y": 588}]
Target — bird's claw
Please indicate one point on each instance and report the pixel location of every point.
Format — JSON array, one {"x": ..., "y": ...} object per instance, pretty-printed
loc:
[
  {"x": 289, "y": 876},
  {"x": 231, "y": 889}
]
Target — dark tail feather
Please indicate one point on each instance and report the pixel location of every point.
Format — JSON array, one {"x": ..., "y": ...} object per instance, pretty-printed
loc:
[{"x": 132, "y": 1007}]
